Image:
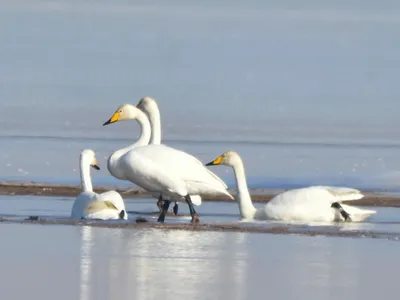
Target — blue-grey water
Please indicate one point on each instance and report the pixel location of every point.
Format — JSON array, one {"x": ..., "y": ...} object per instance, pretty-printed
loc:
[
  {"x": 100, "y": 263},
  {"x": 306, "y": 92},
  {"x": 84, "y": 262}
]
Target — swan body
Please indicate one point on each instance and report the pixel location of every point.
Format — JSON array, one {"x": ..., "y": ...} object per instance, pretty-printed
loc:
[
  {"x": 149, "y": 106},
  {"x": 90, "y": 205},
  {"x": 310, "y": 204},
  {"x": 161, "y": 169}
]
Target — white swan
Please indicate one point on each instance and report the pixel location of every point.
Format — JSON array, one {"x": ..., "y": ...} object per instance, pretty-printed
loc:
[
  {"x": 149, "y": 106},
  {"x": 90, "y": 205},
  {"x": 161, "y": 169},
  {"x": 311, "y": 204}
]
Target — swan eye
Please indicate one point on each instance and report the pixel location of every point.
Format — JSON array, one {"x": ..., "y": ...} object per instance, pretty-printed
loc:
[{"x": 120, "y": 111}]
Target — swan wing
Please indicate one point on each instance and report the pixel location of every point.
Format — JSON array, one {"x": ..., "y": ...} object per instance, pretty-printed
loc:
[
  {"x": 184, "y": 166},
  {"x": 313, "y": 204},
  {"x": 88, "y": 206},
  {"x": 215, "y": 176},
  {"x": 147, "y": 173},
  {"x": 196, "y": 160},
  {"x": 103, "y": 210},
  {"x": 312, "y": 196},
  {"x": 196, "y": 199},
  {"x": 113, "y": 197},
  {"x": 342, "y": 193},
  {"x": 97, "y": 206},
  {"x": 304, "y": 204}
]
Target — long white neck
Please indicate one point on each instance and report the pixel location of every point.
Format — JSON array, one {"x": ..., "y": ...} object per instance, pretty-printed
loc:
[
  {"x": 155, "y": 123},
  {"x": 86, "y": 181},
  {"x": 246, "y": 207},
  {"x": 143, "y": 140},
  {"x": 145, "y": 128}
]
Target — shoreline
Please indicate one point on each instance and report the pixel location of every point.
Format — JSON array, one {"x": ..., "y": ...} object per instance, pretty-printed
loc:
[
  {"x": 258, "y": 195},
  {"x": 275, "y": 230}
]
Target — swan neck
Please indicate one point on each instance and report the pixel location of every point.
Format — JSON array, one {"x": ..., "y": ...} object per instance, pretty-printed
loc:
[
  {"x": 145, "y": 128},
  {"x": 155, "y": 123},
  {"x": 86, "y": 181},
  {"x": 112, "y": 163},
  {"x": 246, "y": 207}
]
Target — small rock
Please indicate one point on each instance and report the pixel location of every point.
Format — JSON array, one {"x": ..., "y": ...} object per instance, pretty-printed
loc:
[{"x": 141, "y": 220}]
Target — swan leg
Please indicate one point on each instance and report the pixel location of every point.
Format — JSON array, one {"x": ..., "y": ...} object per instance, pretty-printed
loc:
[
  {"x": 121, "y": 214},
  {"x": 344, "y": 213},
  {"x": 164, "y": 210},
  {"x": 193, "y": 214},
  {"x": 160, "y": 203},
  {"x": 175, "y": 208}
]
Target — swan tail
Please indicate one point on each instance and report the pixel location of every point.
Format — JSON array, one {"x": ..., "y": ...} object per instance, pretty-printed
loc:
[
  {"x": 358, "y": 214},
  {"x": 350, "y": 213},
  {"x": 228, "y": 194},
  {"x": 196, "y": 200},
  {"x": 224, "y": 192}
]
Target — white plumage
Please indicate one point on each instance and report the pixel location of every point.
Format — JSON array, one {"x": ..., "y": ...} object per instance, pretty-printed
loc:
[
  {"x": 158, "y": 168},
  {"x": 311, "y": 204},
  {"x": 90, "y": 205},
  {"x": 149, "y": 106}
]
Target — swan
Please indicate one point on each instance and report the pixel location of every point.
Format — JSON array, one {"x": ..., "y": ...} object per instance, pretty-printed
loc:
[
  {"x": 149, "y": 106},
  {"x": 161, "y": 169},
  {"x": 310, "y": 204},
  {"x": 90, "y": 205}
]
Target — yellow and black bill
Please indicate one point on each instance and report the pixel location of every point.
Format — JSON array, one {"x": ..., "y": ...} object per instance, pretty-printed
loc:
[
  {"x": 113, "y": 119},
  {"x": 216, "y": 161}
]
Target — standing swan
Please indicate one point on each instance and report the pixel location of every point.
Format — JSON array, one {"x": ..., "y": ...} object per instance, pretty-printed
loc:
[
  {"x": 149, "y": 106},
  {"x": 161, "y": 169},
  {"x": 315, "y": 203},
  {"x": 89, "y": 205}
]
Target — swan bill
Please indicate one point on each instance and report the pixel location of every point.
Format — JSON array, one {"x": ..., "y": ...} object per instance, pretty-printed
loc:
[
  {"x": 95, "y": 164},
  {"x": 216, "y": 161},
  {"x": 113, "y": 119}
]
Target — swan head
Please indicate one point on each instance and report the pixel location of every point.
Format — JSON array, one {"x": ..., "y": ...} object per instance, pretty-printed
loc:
[
  {"x": 89, "y": 158},
  {"x": 124, "y": 112},
  {"x": 147, "y": 104},
  {"x": 228, "y": 158}
]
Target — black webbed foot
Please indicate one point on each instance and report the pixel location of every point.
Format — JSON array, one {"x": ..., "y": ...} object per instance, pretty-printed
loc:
[
  {"x": 193, "y": 214},
  {"x": 160, "y": 203},
  {"x": 164, "y": 210},
  {"x": 345, "y": 214},
  {"x": 175, "y": 208}
]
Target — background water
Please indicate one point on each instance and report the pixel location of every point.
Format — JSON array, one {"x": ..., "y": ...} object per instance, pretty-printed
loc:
[
  {"x": 305, "y": 92},
  {"x": 100, "y": 263}
]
